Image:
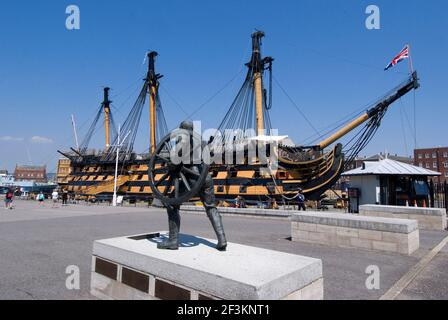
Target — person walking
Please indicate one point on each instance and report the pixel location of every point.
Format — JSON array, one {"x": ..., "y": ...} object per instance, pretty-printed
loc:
[
  {"x": 64, "y": 197},
  {"x": 8, "y": 199},
  {"x": 301, "y": 201},
  {"x": 40, "y": 198},
  {"x": 55, "y": 198}
]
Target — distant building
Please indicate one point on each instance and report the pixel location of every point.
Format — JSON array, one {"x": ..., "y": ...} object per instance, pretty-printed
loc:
[
  {"x": 434, "y": 159},
  {"x": 64, "y": 169},
  {"x": 6, "y": 180},
  {"x": 358, "y": 162},
  {"x": 31, "y": 173},
  {"x": 344, "y": 181},
  {"x": 389, "y": 182}
]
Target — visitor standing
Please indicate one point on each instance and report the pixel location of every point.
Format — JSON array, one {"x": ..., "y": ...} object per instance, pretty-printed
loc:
[
  {"x": 8, "y": 199},
  {"x": 64, "y": 197},
  {"x": 41, "y": 198},
  {"x": 301, "y": 201},
  {"x": 55, "y": 198}
]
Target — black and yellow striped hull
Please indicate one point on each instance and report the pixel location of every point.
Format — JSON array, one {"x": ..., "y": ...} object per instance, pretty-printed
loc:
[{"x": 313, "y": 173}]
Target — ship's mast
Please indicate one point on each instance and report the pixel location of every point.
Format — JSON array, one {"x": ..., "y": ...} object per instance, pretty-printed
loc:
[
  {"x": 153, "y": 84},
  {"x": 258, "y": 66},
  {"x": 106, "y": 108}
]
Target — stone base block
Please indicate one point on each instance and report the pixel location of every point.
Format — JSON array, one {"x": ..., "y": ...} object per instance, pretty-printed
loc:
[
  {"x": 352, "y": 231},
  {"x": 428, "y": 218},
  {"x": 133, "y": 268}
]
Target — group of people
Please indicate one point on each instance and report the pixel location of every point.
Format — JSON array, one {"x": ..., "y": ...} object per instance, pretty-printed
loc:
[
  {"x": 55, "y": 198},
  {"x": 9, "y": 196},
  {"x": 272, "y": 204}
]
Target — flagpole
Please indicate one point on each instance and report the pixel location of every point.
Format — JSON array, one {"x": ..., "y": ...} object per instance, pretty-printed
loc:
[{"x": 411, "y": 65}]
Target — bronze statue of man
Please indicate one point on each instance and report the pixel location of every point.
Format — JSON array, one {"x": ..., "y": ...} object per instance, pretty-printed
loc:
[{"x": 207, "y": 196}]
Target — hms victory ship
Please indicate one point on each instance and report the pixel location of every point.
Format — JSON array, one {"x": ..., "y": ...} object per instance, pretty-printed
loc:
[{"x": 313, "y": 169}]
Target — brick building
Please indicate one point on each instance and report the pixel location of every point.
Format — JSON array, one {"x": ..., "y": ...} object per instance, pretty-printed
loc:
[
  {"x": 30, "y": 173},
  {"x": 434, "y": 159}
]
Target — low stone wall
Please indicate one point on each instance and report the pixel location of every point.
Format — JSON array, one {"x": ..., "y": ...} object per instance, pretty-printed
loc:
[
  {"x": 242, "y": 211},
  {"x": 346, "y": 230},
  {"x": 428, "y": 218}
]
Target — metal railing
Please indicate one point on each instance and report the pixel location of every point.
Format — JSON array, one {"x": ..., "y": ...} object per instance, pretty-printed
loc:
[{"x": 439, "y": 195}]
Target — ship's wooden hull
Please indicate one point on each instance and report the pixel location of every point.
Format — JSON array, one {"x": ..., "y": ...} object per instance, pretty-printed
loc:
[{"x": 312, "y": 173}]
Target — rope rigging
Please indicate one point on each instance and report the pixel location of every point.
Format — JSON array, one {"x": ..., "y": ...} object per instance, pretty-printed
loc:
[
  {"x": 240, "y": 121},
  {"x": 130, "y": 126},
  {"x": 359, "y": 141},
  {"x": 85, "y": 142},
  {"x": 132, "y": 123}
]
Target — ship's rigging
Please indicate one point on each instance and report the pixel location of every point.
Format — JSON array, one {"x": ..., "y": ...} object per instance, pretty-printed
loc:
[
  {"x": 109, "y": 124},
  {"x": 158, "y": 125},
  {"x": 250, "y": 108},
  {"x": 313, "y": 168}
]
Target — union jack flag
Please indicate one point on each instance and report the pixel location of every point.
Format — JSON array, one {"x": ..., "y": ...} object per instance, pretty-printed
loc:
[{"x": 404, "y": 54}]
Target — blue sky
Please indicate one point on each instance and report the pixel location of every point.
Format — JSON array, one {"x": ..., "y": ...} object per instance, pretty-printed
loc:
[{"x": 325, "y": 58}]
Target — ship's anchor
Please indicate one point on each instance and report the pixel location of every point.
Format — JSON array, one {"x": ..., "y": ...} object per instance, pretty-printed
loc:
[{"x": 176, "y": 171}]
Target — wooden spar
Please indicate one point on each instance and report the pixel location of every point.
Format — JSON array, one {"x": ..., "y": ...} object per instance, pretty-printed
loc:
[
  {"x": 152, "y": 80},
  {"x": 351, "y": 126},
  {"x": 411, "y": 84},
  {"x": 106, "y": 106},
  {"x": 259, "y": 103},
  {"x": 257, "y": 65}
]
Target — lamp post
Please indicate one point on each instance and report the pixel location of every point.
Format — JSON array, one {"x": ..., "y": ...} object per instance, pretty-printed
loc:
[{"x": 118, "y": 146}]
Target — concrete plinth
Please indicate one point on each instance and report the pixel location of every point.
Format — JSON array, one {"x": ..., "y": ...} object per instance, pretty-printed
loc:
[
  {"x": 133, "y": 268},
  {"x": 428, "y": 218},
  {"x": 343, "y": 230}
]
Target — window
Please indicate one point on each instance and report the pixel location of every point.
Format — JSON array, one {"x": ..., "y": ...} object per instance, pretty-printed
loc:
[
  {"x": 243, "y": 189},
  {"x": 420, "y": 156},
  {"x": 434, "y": 165},
  {"x": 220, "y": 189},
  {"x": 427, "y": 166},
  {"x": 434, "y": 155},
  {"x": 445, "y": 164},
  {"x": 446, "y": 174},
  {"x": 427, "y": 155},
  {"x": 420, "y": 165},
  {"x": 445, "y": 154}
]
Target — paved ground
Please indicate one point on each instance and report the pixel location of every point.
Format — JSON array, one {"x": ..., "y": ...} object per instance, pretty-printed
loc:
[
  {"x": 37, "y": 244},
  {"x": 432, "y": 283}
]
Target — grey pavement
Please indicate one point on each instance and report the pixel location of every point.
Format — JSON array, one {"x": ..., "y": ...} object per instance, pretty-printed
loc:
[
  {"x": 37, "y": 244},
  {"x": 432, "y": 283}
]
